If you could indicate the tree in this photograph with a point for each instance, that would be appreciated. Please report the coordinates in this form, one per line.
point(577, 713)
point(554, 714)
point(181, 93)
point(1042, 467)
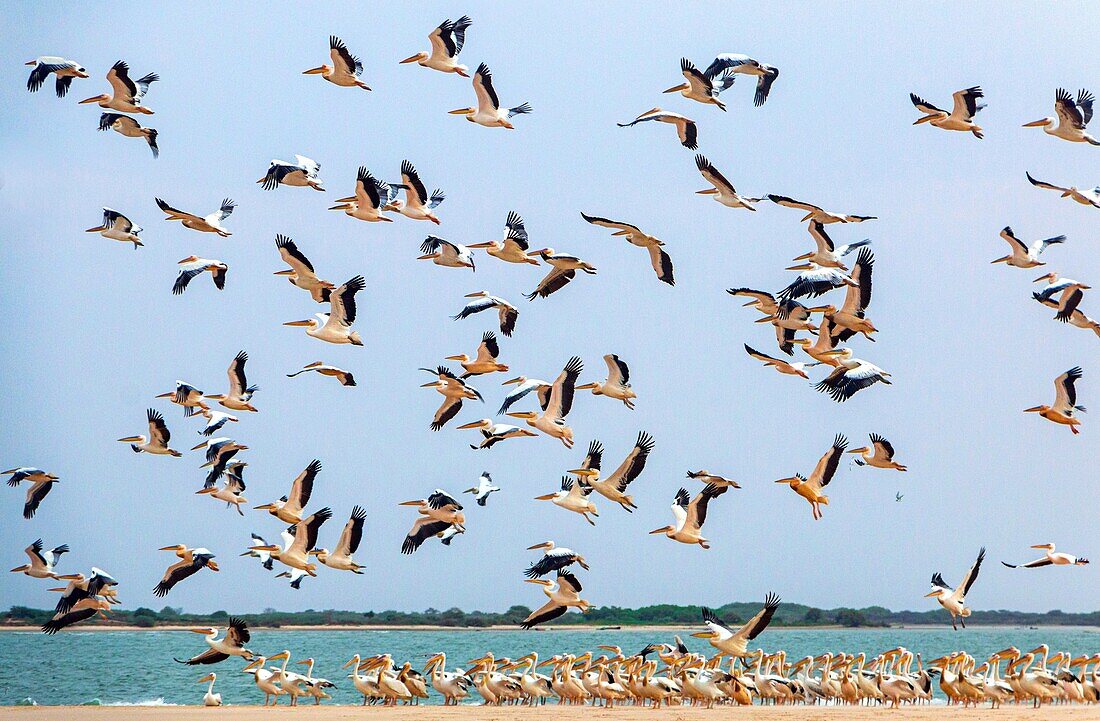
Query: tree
point(813, 615)
point(850, 618)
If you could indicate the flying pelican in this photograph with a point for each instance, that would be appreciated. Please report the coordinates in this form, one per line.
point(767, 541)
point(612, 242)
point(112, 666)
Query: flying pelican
point(1072, 117)
point(962, 113)
point(79, 588)
point(486, 360)
point(794, 369)
point(127, 94)
point(289, 508)
point(40, 482)
point(703, 87)
point(573, 496)
point(482, 300)
point(790, 317)
point(210, 698)
point(436, 514)
point(1067, 308)
point(424, 528)
point(523, 387)
point(303, 173)
point(564, 269)
point(240, 393)
point(345, 69)
point(299, 542)
point(690, 514)
point(371, 196)
point(1065, 399)
point(447, 41)
point(82, 610)
point(731, 642)
point(658, 258)
point(552, 420)
point(817, 213)
point(447, 534)
point(562, 595)
point(955, 600)
point(295, 576)
point(157, 442)
point(686, 129)
point(1084, 197)
point(128, 127)
point(192, 560)
point(488, 111)
point(445, 253)
point(345, 377)
point(617, 385)
point(418, 205)
point(1050, 558)
point(850, 376)
point(350, 538)
point(852, 316)
point(208, 224)
point(219, 451)
point(814, 280)
point(614, 486)
point(301, 273)
point(42, 564)
point(880, 454)
point(231, 491)
point(760, 300)
point(709, 478)
point(335, 326)
point(483, 488)
point(737, 63)
point(231, 644)
point(263, 556)
point(513, 248)
point(723, 191)
point(65, 70)
point(827, 254)
point(554, 558)
point(192, 266)
point(1024, 256)
point(187, 396)
point(811, 488)
point(117, 226)
point(454, 391)
point(1056, 284)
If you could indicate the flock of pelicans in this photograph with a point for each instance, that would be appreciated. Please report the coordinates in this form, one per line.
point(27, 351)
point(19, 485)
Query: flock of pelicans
point(819, 331)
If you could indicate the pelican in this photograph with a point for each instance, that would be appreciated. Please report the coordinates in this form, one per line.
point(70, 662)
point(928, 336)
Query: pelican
point(1065, 400)
point(231, 491)
point(760, 300)
point(315, 687)
point(1050, 558)
point(297, 544)
point(293, 684)
point(263, 556)
point(302, 173)
point(82, 610)
point(880, 454)
point(814, 280)
point(703, 87)
point(40, 482)
point(424, 528)
point(743, 64)
point(345, 69)
point(562, 595)
point(289, 508)
point(453, 686)
point(794, 369)
point(488, 111)
point(418, 205)
point(523, 387)
point(117, 226)
point(573, 496)
point(614, 486)
point(1067, 309)
point(42, 564)
point(437, 513)
point(445, 253)
point(295, 576)
point(447, 534)
point(691, 514)
point(552, 420)
point(345, 377)
point(1084, 197)
point(208, 224)
point(128, 127)
point(565, 268)
point(483, 488)
point(363, 684)
point(192, 266)
point(827, 254)
point(955, 600)
point(658, 258)
point(335, 326)
point(850, 376)
point(231, 644)
point(1024, 256)
point(210, 698)
point(447, 41)
point(816, 213)
point(723, 191)
point(1072, 117)
point(962, 113)
point(265, 678)
point(485, 362)
point(513, 248)
point(187, 396)
point(1056, 284)
point(617, 385)
point(219, 451)
point(65, 70)
point(790, 317)
point(99, 583)
point(730, 642)
point(301, 273)
point(157, 442)
point(240, 393)
point(454, 390)
point(811, 488)
point(482, 300)
point(127, 94)
point(192, 560)
point(709, 478)
point(371, 197)
point(554, 558)
point(686, 129)
point(852, 316)
point(348, 544)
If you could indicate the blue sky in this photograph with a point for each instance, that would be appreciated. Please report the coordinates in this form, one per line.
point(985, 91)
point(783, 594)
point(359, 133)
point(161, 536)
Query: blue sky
point(94, 332)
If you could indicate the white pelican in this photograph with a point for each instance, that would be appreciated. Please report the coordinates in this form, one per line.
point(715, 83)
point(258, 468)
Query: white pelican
point(826, 253)
point(760, 300)
point(99, 583)
point(263, 556)
point(157, 442)
point(617, 385)
point(40, 482)
point(117, 226)
point(1067, 309)
point(730, 642)
point(562, 594)
point(690, 514)
point(345, 377)
point(341, 557)
point(483, 488)
point(231, 491)
point(573, 496)
point(301, 273)
point(315, 687)
point(295, 576)
point(496, 432)
point(814, 212)
point(880, 454)
point(552, 420)
point(240, 393)
point(1050, 558)
point(614, 486)
point(513, 248)
point(686, 129)
point(811, 488)
point(303, 173)
point(345, 69)
point(371, 196)
point(1025, 256)
point(523, 387)
point(1072, 117)
point(436, 514)
point(219, 451)
point(447, 41)
point(564, 269)
point(127, 94)
point(789, 317)
point(723, 190)
point(851, 376)
point(454, 390)
point(42, 564)
point(65, 70)
point(418, 205)
point(187, 396)
point(445, 253)
point(82, 610)
point(814, 280)
point(363, 684)
point(709, 478)
point(231, 644)
point(488, 111)
point(954, 600)
point(265, 678)
point(335, 326)
point(297, 545)
point(486, 361)
point(289, 508)
point(208, 224)
point(703, 87)
point(128, 127)
point(737, 63)
point(192, 560)
point(962, 113)
point(453, 686)
point(210, 698)
point(448, 534)
point(1084, 197)
point(424, 528)
point(852, 316)
point(192, 266)
point(482, 300)
point(1065, 401)
point(554, 558)
point(1055, 284)
point(794, 369)
point(658, 258)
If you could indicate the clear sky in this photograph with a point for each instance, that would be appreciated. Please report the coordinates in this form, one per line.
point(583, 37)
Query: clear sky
point(93, 332)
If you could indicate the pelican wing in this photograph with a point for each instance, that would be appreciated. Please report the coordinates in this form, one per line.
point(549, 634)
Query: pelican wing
point(971, 576)
point(352, 535)
point(423, 529)
point(924, 106)
point(1018, 246)
point(697, 509)
point(207, 657)
point(35, 493)
point(342, 301)
point(487, 100)
point(569, 582)
point(615, 224)
point(634, 464)
point(1065, 390)
point(302, 487)
point(792, 203)
point(238, 384)
point(489, 349)
point(177, 572)
point(1068, 113)
point(561, 393)
point(224, 211)
point(548, 612)
point(827, 465)
point(662, 264)
point(857, 298)
point(594, 458)
point(966, 103)
point(441, 500)
point(293, 257)
point(450, 408)
point(700, 83)
point(763, 357)
point(824, 242)
point(713, 176)
point(119, 78)
point(618, 373)
point(175, 214)
point(415, 191)
point(1067, 304)
point(305, 531)
point(366, 189)
point(342, 59)
point(158, 429)
point(554, 281)
point(760, 621)
point(1043, 184)
point(882, 446)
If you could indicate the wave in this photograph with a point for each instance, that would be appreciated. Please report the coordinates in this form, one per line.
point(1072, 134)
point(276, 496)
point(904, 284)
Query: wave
point(159, 701)
point(28, 701)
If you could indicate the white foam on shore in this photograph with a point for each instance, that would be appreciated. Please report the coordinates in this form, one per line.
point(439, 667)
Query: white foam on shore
point(152, 702)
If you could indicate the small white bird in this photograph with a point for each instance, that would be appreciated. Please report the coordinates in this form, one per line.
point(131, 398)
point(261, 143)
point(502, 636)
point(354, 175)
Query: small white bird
point(483, 488)
point(117, 226)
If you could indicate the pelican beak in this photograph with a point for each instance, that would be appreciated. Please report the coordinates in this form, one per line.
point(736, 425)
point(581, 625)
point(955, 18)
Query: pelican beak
point(525, 414)
point(411, 503)
point(314, 71)
point(433, 384)
point(1036, 123)
point(704, 634)
point(586, 386)
point(930, 594)
point(537, 546)
point(207, 677)
point(1036, 409)
point(864, 449)
point(475, 424)
point(547, 497)
point(254, 664)
point(832, 353)
point(89, 100)
point(455, 358)
point(168, 548)
point(461, 111)
point(708, 191)
point(586, 472)
point(299, 322)
point(411, 59)
point(539, 581)
point(129, 439)
point(799, 267)
point(203, 631)
point(481, 245)
point(678, 88)
point(655, 531)
point(284, 272)
point(96, 230)
point(264, 507)
point(69, 577)
point(507, 383)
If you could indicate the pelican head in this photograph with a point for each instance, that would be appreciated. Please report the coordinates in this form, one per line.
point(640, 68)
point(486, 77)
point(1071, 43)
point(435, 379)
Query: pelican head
point(1045, 546)
point(663, 529)
point(585, 472)
point(588, 386)
point(677, 88)
point(525, 415)
point(863, 449)
point(322, 70)
point(468, 112)
point(1048, 277)
point(793, 480)
point(96, 99)
point(1041, 123)
point(515, 381)
point(308, 323)
point(548, 545)
point(204, 631)
point(208, 677)
point(415, 58)
point(546, 497)
point(1037, 409)
point(132, 439)
point(483, 423)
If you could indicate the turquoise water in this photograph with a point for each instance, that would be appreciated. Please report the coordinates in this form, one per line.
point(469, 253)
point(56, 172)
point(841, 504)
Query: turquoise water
point(122, 667)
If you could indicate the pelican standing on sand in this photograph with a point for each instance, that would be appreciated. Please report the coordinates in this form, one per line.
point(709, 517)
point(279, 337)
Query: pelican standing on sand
point(231, 644)
point(117, 226)
point(40, 482)
point(880, 454)
point(1050, 558)
point(447, 41)
point(552, 420)
point(686, 129)
point(961, 117)
point(1072, 118)
point(210, 698)
point(127, 94)
point(335, 326)
point(1065, 401)
point(65, 70)
point(507, 313)
point(157, 442)
point(954, 600)
point(617, 385)
point(488, 111)
point(301, 273)
point(127, 127)
point(208, 224)
point(345, 69)
point(1025, 256)
point(690, 514)
point(43, 563)
point(734, 642)
point(562, 594)
point(658, 258)
point(811, 488)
